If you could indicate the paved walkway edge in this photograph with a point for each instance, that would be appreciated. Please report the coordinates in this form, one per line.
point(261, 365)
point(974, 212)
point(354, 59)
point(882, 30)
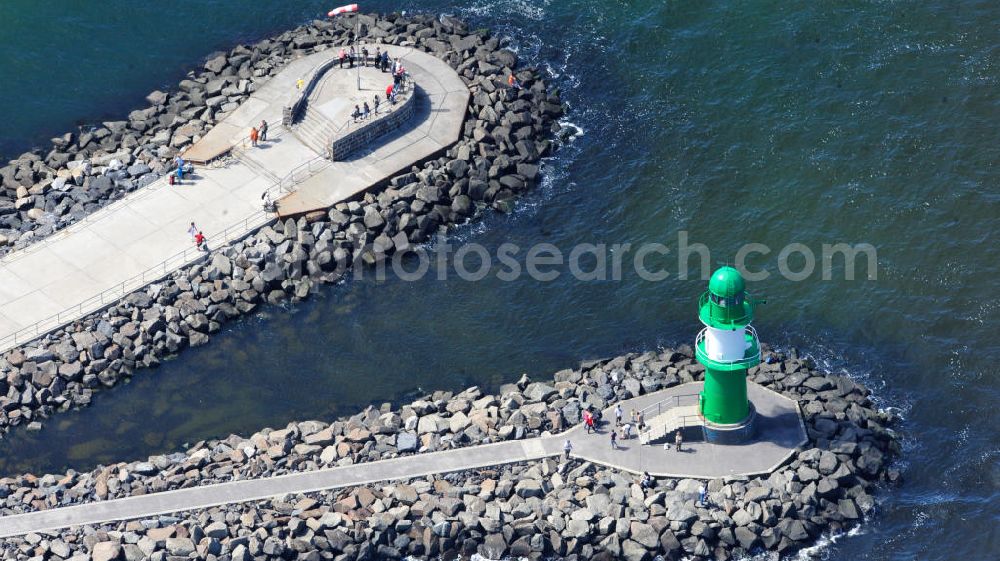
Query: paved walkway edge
point(249, 490)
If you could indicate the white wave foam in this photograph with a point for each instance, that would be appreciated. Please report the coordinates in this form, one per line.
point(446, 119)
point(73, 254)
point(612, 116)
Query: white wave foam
point(578, 131)
point(533, 10)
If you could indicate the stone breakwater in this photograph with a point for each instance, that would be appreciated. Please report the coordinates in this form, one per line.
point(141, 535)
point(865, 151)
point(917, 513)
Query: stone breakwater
point(506, 133)
point(535, 510)
point(45, 190)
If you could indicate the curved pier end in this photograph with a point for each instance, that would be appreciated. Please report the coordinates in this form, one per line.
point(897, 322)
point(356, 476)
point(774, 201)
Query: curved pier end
point(779, 433)
point(441, 102)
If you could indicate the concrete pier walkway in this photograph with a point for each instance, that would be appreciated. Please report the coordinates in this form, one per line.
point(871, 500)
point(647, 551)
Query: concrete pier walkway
point(783, 433)
point(143, 506)
point(143, 237)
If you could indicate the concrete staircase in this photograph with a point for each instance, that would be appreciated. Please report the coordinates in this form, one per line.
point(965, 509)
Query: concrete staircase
point(315, 131)
point(662, 426)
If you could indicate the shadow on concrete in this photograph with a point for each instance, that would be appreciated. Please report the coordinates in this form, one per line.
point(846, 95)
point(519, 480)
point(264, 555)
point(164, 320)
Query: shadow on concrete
point(421, 113)
point(782, 429)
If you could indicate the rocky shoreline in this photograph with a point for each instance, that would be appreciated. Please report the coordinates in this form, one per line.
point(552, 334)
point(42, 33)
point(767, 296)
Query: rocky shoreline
point(506, 134)
point(46, 190)
point(535, 510)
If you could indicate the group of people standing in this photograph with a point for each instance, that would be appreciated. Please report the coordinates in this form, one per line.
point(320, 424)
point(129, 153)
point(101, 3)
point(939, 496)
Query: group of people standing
point(258, 134)
point(361, 113)
point(349, 57)
point(622, 429)
point(626, 428)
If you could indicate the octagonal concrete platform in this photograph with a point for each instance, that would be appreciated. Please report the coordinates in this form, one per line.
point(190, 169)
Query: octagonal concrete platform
point(780, 431)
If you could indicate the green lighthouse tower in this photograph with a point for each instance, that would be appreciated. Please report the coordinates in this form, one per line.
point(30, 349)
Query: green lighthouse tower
point(727, 347)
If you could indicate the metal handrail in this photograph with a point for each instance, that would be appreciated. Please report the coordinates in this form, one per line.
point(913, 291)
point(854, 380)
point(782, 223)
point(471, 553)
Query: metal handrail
point(116, 293)
point(653, 411)
point(674, 401)
point(335, 130)
point(301, 172)
point(290, 112)
point(685, 421)
point(129, 197)
point(112, 295)
point(98, 214)
point(403, 96)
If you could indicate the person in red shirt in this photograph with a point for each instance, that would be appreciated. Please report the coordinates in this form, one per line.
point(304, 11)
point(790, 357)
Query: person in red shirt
point(199, 241)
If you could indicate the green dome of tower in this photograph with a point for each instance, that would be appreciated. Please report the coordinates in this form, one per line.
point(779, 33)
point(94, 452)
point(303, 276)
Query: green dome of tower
point(726, 282)
point(726, 304)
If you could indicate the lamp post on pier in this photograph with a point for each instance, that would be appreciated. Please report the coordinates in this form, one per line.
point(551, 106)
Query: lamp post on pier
point(351, 9)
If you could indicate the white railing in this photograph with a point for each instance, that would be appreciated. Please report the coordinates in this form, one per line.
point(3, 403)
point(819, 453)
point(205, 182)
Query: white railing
point(651, 413)
point(660, 407)
point(660, 427)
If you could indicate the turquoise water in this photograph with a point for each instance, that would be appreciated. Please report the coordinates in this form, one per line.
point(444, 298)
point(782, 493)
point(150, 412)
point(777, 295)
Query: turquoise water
point(766, 122)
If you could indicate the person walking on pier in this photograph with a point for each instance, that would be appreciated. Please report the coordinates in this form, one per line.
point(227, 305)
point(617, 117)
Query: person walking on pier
point(567, 448)
point(678, 439)
point(626, 431)
point(701, 494)
point(356, 114)
point(588, 421)
point(614, 440)
point(639, 422)
point(199, 242)
point(193, 231)
point(377, 101)
point(364, 56)
point(378, 57)
point(263, 130)
point(343, 57)
point(351, 56)
point(367, 111)
point(254, 135)
point(618, 414)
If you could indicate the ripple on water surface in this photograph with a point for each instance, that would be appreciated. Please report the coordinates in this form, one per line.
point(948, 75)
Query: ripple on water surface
point(813, 123)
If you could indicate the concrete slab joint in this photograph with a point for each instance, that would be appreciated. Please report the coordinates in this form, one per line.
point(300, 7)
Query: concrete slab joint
point(142, 238)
